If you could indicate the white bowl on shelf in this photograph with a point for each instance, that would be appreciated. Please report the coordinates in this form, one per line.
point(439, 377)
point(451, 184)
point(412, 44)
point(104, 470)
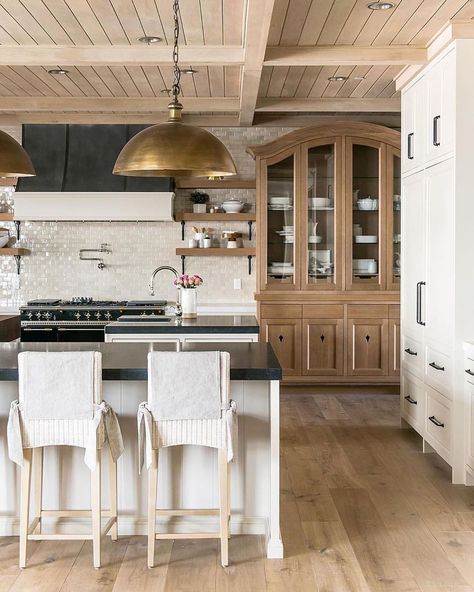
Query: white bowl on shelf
point(233, 206)
point(320, 202)
point(315, 239)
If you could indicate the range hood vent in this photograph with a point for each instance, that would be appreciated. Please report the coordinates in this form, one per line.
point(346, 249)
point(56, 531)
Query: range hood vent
point(103, 206)
point(80, 158)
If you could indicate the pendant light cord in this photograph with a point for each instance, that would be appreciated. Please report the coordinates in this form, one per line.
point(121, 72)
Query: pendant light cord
point(176, 88)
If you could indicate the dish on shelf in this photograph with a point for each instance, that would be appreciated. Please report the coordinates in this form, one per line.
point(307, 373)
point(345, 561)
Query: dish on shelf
point(233, 206)
point(315, 239)
point(366, 238)
point(321, 208)
point(281, 264)
point(276, 208)
point(4, 237)
point(364, 265)
point(317, 202)
point(397, 238)
point(367, 203)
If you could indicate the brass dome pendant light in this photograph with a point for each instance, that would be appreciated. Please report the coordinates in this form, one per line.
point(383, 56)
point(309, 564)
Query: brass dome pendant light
point(174, 149)
point(14, 160)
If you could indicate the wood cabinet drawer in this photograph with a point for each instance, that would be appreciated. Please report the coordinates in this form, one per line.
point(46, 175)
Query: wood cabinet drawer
point(438, 422)
point(413, 401)
point(367, 311)
point(287, 311)
point(284, 335)
point(323, 347)
point(323, 311)
point(438, 371)
point(412, 356)
point(367, 353)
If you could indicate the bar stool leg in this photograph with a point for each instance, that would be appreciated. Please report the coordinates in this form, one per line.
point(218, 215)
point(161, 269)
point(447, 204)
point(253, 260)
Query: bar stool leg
point(152, 482)
point(113, 495)
point(38, 472)
point(229, 504)
point(25, 503)
point(96, 509)
point(224, 505)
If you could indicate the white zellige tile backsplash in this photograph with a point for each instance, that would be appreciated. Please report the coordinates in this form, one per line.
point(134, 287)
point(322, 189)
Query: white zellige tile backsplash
point(54, 270)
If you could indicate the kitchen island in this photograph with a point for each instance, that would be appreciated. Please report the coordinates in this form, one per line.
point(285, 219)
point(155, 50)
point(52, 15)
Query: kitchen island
point(187, 475)
point(203, 329)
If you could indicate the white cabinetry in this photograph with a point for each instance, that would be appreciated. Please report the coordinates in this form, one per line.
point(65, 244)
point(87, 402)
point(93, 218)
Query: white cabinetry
point(413, 126)
point(437, 280)
point(179, 338)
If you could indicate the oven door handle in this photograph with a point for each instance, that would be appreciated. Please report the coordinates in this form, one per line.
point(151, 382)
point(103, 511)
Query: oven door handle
point(88, 328)
point(38, 329)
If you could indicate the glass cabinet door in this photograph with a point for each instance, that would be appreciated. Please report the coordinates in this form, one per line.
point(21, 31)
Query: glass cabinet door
point(394, 218)
point(320, 215)
point(365, 212)
point(281, 222)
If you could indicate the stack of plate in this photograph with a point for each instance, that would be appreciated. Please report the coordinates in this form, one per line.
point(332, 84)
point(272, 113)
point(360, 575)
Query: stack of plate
point(287, 232)
point(315, 239)
point(365, 238)
point(320, 202)
point(281, 268)
point(280, 202)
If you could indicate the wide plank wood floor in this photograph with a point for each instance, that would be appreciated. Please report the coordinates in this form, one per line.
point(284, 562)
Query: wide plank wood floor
point(363, 510)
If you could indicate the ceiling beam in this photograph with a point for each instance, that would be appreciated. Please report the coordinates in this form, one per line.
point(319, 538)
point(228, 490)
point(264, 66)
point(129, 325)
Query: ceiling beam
point(257, 27)
point(329, 105)
point(131, 118)
point(345, 55)
point(114, 104)
point(125, 55)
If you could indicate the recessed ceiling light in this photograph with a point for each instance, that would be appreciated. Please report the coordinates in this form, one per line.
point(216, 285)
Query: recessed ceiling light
point(58, 72)
point(337, 78)
point(165, 91)
point(380, 5)
point(358, 78)
point(188, 71)
point(150, 39)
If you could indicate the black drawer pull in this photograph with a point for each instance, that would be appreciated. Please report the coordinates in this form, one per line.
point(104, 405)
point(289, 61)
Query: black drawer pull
point(410, 143)
point(436, 367)
point(410, 400)
point(436, 121)
point(437, 423)
point(410, 352)
point(470, 372)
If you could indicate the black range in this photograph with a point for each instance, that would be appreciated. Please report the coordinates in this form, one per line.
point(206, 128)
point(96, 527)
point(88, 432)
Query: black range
point(79, 319)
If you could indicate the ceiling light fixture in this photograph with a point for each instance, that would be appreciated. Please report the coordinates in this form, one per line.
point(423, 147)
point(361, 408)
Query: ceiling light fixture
point(189, 71)
point(358, 78)
point(149, 39)
point(380, 5)
point(174, 149)
point(14, 160)
point(337, 78)
point(58, 72)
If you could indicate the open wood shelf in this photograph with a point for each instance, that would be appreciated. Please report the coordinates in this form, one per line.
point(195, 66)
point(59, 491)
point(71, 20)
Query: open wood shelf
point(217, 252)
point(217, 216)
point(16, 252)
point(196, 183)
point(6, 217)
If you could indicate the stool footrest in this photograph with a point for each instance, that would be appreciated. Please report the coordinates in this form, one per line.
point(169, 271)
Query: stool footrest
point(60, 537)
point(187, 512)
point(188, 535)
point(71, 513)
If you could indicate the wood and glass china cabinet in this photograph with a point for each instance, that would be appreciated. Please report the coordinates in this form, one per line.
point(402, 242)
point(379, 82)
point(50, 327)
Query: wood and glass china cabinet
point(328, 252)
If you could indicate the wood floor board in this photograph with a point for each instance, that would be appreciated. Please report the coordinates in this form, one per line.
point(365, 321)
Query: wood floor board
point(362, 510)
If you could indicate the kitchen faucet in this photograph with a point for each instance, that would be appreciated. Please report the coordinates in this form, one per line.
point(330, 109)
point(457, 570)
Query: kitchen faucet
point(178, 309)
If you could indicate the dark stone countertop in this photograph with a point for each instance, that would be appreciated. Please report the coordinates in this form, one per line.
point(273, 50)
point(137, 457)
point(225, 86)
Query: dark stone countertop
point(128, 361)
point(212, 324)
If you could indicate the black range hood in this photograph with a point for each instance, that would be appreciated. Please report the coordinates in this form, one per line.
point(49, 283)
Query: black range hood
point(81, 158)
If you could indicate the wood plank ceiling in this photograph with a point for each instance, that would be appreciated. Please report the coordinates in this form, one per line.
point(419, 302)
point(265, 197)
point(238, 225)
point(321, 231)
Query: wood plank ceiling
point(263, 55)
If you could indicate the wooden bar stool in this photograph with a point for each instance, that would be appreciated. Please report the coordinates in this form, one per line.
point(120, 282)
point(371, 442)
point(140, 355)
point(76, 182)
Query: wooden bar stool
point(60, 404)
point(196, 410)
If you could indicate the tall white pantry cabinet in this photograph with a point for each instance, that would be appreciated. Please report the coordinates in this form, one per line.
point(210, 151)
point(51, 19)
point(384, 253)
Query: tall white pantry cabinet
point(437, 282)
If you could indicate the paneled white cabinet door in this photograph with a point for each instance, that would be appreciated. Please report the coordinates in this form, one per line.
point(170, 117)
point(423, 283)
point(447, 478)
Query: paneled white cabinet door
point(441, 112)
point(440, 195)
point(413, 254)
point(413, 126)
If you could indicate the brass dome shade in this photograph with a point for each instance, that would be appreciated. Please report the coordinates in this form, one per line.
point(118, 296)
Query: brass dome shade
point(14, 160)
point(174, 149)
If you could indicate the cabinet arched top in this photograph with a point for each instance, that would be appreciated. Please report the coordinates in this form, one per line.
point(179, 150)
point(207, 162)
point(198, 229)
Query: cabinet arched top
point(370, 131)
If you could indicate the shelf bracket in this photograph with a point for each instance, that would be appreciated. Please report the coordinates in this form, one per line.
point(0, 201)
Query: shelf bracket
point(250, 264)
point(250, 229)
point(18, 263)
point(183, 258)
point(17, 228)
point(183, 224)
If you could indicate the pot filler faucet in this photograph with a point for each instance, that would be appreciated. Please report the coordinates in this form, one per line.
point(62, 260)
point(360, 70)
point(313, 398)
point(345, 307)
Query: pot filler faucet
point(177, 305)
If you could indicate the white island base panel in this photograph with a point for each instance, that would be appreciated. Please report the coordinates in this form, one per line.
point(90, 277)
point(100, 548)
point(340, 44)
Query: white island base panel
point(187, 475)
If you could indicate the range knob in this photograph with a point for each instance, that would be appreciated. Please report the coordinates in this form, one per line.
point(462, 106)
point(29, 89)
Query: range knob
point(97, 315)
point(46, 315)
point(38, 315)
point(88, 315)
point(29, 315)
point(108, 316)
point(77, 315)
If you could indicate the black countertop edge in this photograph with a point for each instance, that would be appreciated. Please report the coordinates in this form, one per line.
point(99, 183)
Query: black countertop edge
point(134, 328)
